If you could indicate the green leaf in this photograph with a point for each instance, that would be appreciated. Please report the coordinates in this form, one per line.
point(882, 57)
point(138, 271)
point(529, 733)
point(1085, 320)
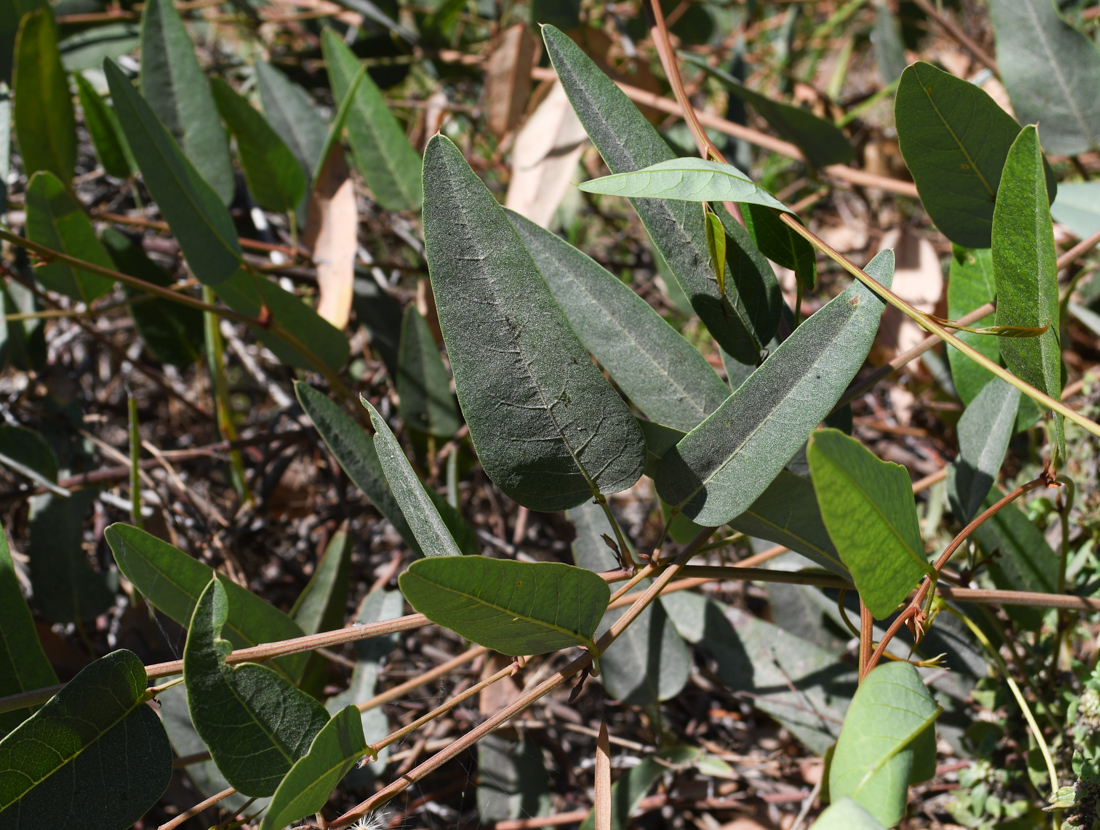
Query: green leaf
point(194, 211)
point(1051, 72)
point(173, 582)
point(846, 814)
point(548, 428)
point(821, 141)
point(433, 535)
point(174, 85)
point(58, 221)
point(1078, 207)
point(984, 431)
point(512, 607)
point(868, 508)
point(275, 179)
point(685, 179)
point(1026, 271)
point(289, 112)
point(878, 748)
point(28, 453)
point(382, 152)
point(95, 756)
point(172, 331)
point(254, 721)
point(423, 383)
point(512, 779)
point(716, 244)
point(10, 16)
point(314, 776)
point(720, 468)
point(23, 664)
point(322, 603)
point(743, 319)
point(955, 140)
point(45, 124)
point(654, 366)
point(106, 132)
point(247, 293)
point(971, 285)
point(627, 793)
point(65, 587)
point(889, 45)
point(781, 243)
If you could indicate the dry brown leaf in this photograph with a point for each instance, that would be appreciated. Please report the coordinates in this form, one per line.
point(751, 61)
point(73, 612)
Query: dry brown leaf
point(332, 228)
point(918, 279)
point(544, 156)
point(603, 779)
point(508, 77)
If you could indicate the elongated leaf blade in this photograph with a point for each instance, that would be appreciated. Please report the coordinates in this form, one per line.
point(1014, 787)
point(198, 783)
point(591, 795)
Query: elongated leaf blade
point(427, 526)
point(745, 317)
point(1078, 207)
point(685, 179)
point(1051, 72)
point(780, 243)
point(58, 221)
point(45, 123)
point(547, 426)
point(868, 508)
point(970, 285)
point(193, 209)
point(423, 384)
point(289, 112)
point(879, 746)
point(28, 453)
point(95, 756)
point(511, 607)
point(1026, 272)
point(720, 468)
point(174, 85)
point(661, 373)
point(984, 431)
point(173, 582)
point(106, 133)
point(382, 152)
point(955, 140)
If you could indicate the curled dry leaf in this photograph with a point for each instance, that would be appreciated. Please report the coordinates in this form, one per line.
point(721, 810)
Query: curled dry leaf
point(332, 234)
point(508, 77)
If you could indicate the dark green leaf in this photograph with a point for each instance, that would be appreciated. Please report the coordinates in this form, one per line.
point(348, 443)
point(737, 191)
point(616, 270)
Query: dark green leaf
point(1078, 207)
point(288, 110)
point(10, 16)
point(275, 179)
point(720, 468)
point(547, 426)
point(971, 285)
point(45, 123)
point(984, 431)
point(878, 747)
point(955, 140)
point(511, 607)
point(627, 793)
point(512, 779)
point(322, 604)
point(23, 664)
point(382, 152)
point(195, 212)
point(172, 331)
point(174, 85)
point(780, 243)
point(1026, 272)
point(684, 179)
point(94, 757)
point(742, 320)
point(28, 453)
point(1051, 72)
point(661, 373)
point(106, 132)
point(58, 221)
point(867, 505)
point(314, 776)
point(173, 582)
point(423, 383)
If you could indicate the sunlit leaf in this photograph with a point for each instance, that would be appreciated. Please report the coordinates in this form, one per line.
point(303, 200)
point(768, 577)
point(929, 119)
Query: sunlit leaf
point(45, 123)
point(984, 431)
point(685, 179)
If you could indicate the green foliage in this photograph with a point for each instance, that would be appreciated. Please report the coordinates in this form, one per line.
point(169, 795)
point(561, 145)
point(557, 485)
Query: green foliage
point(110, 144)
point(984, 430)
point(45, 124)
point(687, 179)
point(423, 385)
point(970, 285)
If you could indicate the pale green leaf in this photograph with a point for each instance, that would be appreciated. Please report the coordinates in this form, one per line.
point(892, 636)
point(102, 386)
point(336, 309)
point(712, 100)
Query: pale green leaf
point(685, 179)
point(984, 431)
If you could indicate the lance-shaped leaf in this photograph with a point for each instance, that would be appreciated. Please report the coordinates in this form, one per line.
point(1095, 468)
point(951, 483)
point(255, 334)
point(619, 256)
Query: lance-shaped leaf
point(886, 742)
point(423, 383)
point(194, 211)
point(254, 721)
point(420, 511)
point(173, 582)
point(382, 152)
point(745, 317)
point(955, 140)
point(654, 366)
point(58, 221)
point(984, 431)
point(511, 607)
point(174, 85)
point(275, 179)
point(1026, 271)
point(23, 664)
point(547, 426)
point(722, 466)
point(781, 243)
point(1051, 72)
point(314, 776)
point(26, 452)
point(868, 508)
point(102, 123)
point(45, 124)
point(970, 285)
point(288, 110)
point(685, 179)
point(95, 756)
